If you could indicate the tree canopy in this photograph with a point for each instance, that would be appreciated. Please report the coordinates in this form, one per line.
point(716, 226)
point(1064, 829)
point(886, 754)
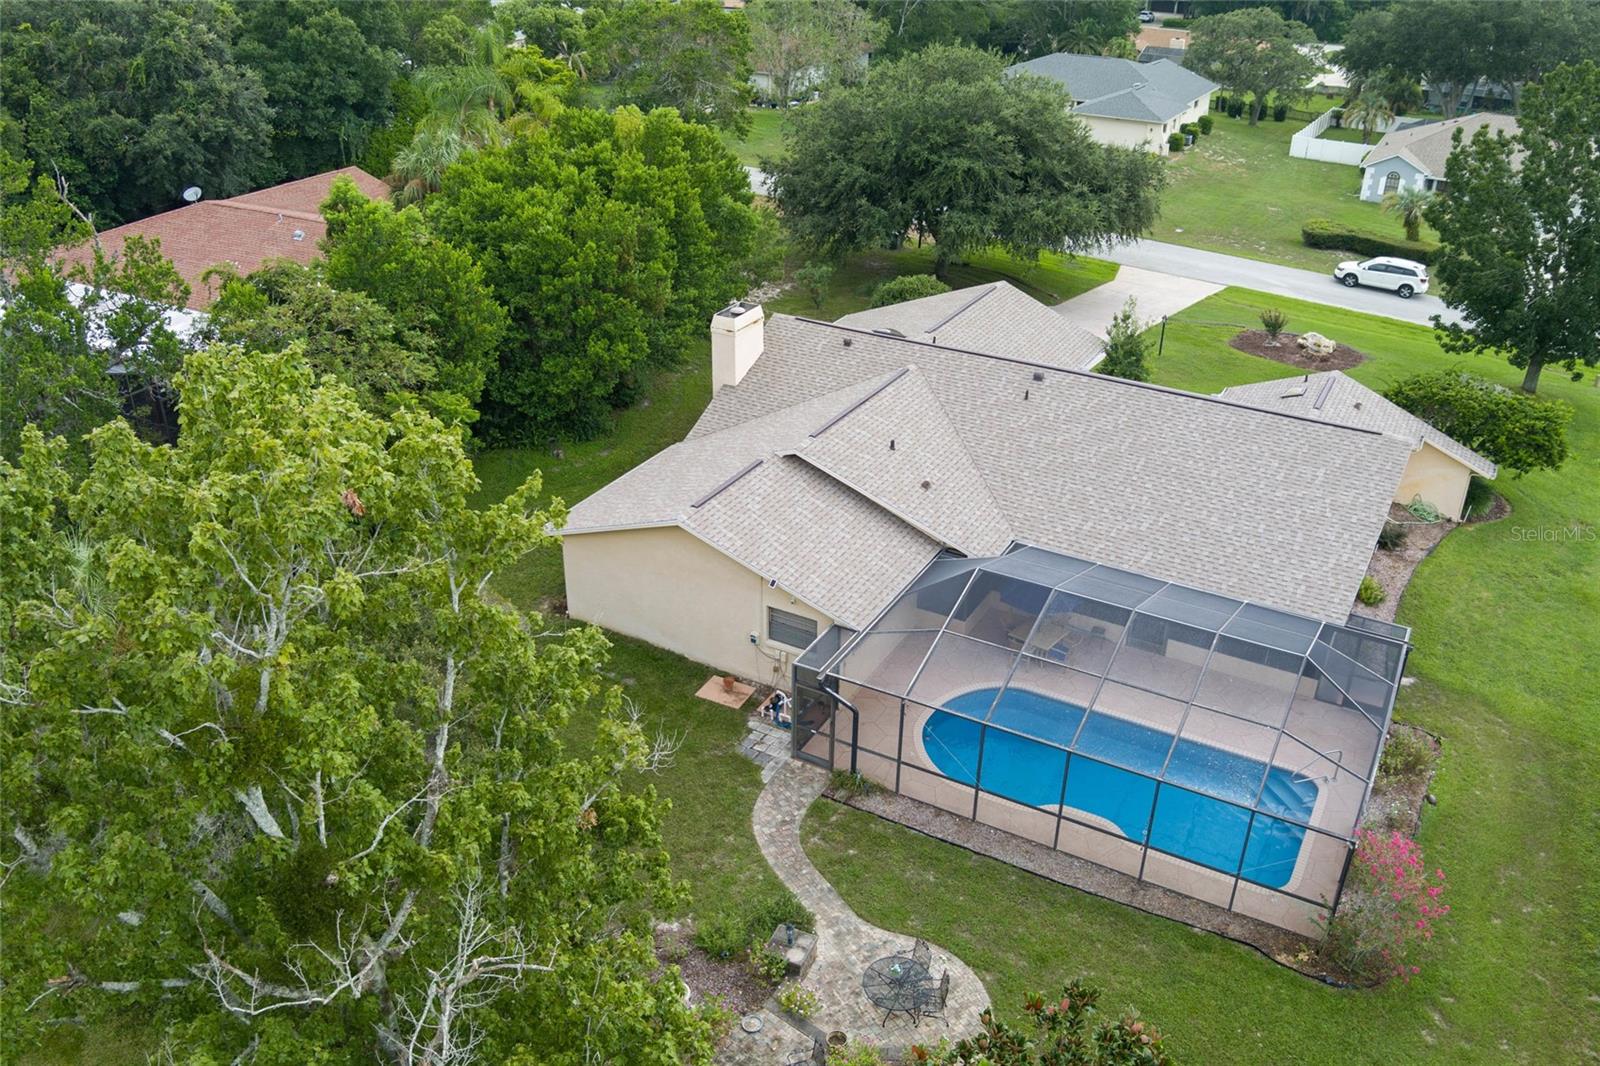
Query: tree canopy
point(609, 239)
point(328, 84)
point(942, 145)
point(1253, 50)
point(687, 54)
point(1519, 231)
point(133, 102)
point(311, 799)
point(1453, 43)
point(1021, 29)
point(803, 43)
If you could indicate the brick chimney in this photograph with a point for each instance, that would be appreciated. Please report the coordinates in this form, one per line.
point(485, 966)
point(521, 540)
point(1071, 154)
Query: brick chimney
point(736, 343)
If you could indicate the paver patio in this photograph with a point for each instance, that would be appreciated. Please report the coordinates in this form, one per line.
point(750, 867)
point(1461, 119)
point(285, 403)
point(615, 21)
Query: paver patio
point(846, 946)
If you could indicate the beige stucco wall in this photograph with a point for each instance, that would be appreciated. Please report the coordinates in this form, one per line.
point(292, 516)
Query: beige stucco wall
point(1437, 478)
point(1150, 135)
point(675, 591)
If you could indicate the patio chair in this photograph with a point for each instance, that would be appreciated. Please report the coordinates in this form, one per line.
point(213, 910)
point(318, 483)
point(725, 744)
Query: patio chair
point(931, 1000)
point(818, 1056)
point(921, 954)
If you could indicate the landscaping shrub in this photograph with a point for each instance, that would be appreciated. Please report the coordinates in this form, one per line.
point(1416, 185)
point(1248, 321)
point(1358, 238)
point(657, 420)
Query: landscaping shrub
point(1280, 112)
point(1480, 497)
point(1389, 909)
point(1517, 431)
point(1219, 102)
point(1066, 1029)
point(1205, 124)
point(798, 1001)
point(1126, 347)
point(1273, 321)
point(1323, 233)
point(1392, 537)
point(1175, 142)
point(1406, 753)
point(907, 287)
point(847, 785)
point(769, 966)
point(813, 280)
point(1370, 593)
point(1235, 107)
point(725, 933)
point(856, 1054)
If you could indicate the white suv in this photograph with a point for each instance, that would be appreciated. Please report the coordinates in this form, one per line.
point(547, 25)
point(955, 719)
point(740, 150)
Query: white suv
point(1402, 276)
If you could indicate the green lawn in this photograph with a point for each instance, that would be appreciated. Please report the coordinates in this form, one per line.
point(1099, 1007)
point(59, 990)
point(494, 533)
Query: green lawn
point(1050, 279)
point(765, 140)
point(1238, 191)
point(1505, 667)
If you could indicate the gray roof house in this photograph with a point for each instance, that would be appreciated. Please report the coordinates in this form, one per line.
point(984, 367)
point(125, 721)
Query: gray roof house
point(1414, 156)
point(997, 319)
point(1439, 467)
point(931, 545)
point(1124, 102)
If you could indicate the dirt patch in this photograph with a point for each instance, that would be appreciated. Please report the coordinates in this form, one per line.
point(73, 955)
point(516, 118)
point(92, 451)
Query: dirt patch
point(1392, 568)
point(728, 980)
point(1257, 342)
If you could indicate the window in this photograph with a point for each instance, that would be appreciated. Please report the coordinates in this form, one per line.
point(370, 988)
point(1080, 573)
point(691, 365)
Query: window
point(1391, 181)
point(795, 630)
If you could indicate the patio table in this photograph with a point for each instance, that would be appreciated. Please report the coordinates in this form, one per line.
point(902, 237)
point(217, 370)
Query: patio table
point(892, 984)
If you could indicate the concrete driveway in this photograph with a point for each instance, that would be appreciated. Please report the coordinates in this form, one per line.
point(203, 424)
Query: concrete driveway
point(1219, 269)
point(1154, 293)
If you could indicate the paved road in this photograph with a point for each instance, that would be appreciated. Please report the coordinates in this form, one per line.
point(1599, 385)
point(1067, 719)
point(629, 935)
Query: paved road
point(1269, 277)
point(758, 180)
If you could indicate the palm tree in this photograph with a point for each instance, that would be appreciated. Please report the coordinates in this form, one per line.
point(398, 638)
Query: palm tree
point(470, 107)
point(1408, 203)
point(1369, 112)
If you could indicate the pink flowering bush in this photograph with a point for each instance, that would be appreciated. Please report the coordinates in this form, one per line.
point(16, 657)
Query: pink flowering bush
point(1391, 906)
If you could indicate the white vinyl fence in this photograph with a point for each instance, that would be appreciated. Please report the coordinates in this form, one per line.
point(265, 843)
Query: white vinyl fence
point(1305, 143)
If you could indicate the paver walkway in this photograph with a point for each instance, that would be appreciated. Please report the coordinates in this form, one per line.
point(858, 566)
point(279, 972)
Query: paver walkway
point(846, 946)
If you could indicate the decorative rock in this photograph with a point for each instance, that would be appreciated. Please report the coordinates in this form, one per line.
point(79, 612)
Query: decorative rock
point(1316, 343)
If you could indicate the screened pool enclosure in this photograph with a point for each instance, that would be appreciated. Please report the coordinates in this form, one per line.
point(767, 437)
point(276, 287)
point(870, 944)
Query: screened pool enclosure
point(1219, 748)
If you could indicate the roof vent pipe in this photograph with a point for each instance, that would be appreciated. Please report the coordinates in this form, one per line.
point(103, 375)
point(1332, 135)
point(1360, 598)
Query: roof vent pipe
point(891, 444)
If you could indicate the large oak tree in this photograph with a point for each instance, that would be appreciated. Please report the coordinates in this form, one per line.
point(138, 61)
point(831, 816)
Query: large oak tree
point(284, 778)
point(944, 145)
point(1254, 51)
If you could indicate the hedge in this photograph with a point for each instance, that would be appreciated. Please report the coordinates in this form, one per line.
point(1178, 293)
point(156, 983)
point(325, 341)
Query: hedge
point(1322, 233)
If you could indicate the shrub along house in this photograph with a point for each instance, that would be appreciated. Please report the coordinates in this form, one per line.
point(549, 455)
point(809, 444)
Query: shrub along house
point(1110, 617)
point(1137, 105)
point(1440, 467)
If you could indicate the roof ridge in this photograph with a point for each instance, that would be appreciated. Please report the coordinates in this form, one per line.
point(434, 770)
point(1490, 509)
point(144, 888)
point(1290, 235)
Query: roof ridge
point(1089, 375)
point(958, 312)
point(265, 209)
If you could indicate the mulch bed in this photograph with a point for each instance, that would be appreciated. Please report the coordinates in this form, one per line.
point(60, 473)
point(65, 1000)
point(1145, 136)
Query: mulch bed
point(1255, 342)
point(729, 980)
point(1497, 510)
point(1393, 569)
point(1396, 802)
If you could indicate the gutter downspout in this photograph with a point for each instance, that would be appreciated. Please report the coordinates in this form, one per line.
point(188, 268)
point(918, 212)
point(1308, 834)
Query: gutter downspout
point(855, 721)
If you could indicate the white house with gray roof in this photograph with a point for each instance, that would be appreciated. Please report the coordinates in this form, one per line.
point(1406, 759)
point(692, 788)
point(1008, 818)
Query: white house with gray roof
point(834, 462)
point(1439, 468)
point(1132, 104)
point(1414, 156)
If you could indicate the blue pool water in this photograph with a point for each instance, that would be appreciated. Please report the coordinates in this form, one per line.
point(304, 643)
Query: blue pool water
point(1200, 828)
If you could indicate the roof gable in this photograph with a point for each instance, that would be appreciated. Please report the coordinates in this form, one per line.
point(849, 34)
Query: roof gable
point(1335, 397)
point(1108, 87)
point(1427, 145)
point(997, 318)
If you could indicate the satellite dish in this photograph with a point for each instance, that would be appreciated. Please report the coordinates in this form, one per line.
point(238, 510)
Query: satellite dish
point(191, 194)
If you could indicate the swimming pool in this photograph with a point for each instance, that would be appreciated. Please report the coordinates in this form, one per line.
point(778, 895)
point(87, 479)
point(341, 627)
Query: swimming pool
point(1199, 827)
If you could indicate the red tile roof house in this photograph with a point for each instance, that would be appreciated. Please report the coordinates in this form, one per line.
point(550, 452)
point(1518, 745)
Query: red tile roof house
point(243, 232)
